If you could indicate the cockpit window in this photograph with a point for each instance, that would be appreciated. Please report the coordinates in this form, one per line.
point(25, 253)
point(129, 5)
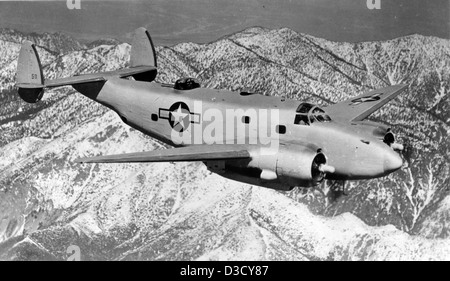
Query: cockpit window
point(319, 117)
point(317, 110)
point(308, 114)
point(304, 107)
point(301, 119)
point(323, 118)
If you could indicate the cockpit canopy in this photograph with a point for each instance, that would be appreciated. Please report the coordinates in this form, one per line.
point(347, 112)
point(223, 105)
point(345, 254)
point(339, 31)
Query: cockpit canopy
point(309, 113)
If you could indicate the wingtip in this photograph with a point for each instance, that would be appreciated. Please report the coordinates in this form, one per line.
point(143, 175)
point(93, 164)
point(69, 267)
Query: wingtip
point(80, 160)
point(403, 87)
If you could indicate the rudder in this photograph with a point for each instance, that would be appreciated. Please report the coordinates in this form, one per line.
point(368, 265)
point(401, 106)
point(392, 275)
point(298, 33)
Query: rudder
point(143, 54)
point(30, 78)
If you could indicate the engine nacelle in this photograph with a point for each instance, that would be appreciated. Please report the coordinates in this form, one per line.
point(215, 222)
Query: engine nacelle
point(296, 166)
point(31, 95)
point(302, 167)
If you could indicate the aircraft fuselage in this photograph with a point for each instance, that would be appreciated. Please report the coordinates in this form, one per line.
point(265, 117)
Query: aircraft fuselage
point(194, 117)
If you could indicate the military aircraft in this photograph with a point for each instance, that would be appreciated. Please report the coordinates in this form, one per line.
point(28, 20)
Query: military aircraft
point(312, 143)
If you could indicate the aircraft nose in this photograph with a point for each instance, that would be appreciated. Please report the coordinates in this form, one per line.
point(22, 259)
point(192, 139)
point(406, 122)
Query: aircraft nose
point(392, 162)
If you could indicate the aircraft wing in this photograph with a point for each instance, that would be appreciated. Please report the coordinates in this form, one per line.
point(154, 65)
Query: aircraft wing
point(182, 154)
point(360, 107)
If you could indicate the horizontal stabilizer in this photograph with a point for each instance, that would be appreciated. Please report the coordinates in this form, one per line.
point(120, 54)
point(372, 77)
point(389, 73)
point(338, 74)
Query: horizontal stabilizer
point(182, 154)
point(97, 77)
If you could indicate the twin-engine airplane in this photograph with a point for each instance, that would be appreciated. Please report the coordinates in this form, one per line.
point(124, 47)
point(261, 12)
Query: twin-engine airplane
point(312, 143)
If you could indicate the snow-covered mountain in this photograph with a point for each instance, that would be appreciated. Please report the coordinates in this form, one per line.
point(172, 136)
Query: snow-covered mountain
point(59, 43)
point(181, 211)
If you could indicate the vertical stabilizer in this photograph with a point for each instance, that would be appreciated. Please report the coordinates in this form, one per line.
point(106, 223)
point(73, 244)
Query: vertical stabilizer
point(143, 54)
point(142, 51)
point(30, 78)
point(29, 68)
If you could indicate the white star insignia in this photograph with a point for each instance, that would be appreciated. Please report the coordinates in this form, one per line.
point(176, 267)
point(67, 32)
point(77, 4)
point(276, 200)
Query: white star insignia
point(178, 117)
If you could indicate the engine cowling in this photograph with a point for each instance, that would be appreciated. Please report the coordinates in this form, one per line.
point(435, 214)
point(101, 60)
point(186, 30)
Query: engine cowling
point(304, 167)
point(295, 166)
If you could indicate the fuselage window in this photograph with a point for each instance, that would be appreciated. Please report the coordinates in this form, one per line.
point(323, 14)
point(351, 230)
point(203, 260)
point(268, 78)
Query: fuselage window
point(154, 117)
point(280, 129)
point(246, 119)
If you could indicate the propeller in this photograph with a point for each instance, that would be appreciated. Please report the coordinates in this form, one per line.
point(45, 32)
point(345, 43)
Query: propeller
point(320, 167)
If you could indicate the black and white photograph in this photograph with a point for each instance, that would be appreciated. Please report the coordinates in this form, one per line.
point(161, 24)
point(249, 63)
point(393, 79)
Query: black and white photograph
point(225, 130)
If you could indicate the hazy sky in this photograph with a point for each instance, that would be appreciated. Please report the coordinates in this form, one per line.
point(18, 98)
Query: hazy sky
point(173, 21)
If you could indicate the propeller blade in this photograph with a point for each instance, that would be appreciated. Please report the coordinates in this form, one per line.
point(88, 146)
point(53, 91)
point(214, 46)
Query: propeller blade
point(327, 169)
